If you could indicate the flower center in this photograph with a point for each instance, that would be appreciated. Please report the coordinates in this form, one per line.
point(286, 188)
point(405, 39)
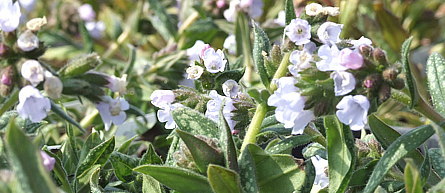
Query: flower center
point(115, 108)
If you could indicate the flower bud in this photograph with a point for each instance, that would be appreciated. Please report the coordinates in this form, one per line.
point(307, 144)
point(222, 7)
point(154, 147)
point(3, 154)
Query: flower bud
point(390, 74)
point(86, 12)
point(398, 83)
point(380, 56)
point(36, 23)
point(53, 87)
point(313, 9)
point(365, 50)
point(48, 161)
point(275, 54)
point(194, 72)
point(28, 41)
point(384, 92)
point(33, 72)
point(4, 50)
point(230, 88)
point(81, 65)
point(7, 82)
point(372, 81)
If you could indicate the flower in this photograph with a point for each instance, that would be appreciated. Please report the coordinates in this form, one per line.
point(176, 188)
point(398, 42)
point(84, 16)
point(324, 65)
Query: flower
point(290, 106)
point(252, 7)
point(298, 31)
point(32, 105)
point(194, 72)
point(344, 82)
point(195, 51)
point(112, 111)
point(351, 59)
point(321, 166)
point(28, 5)
point(230, 13)
point(332, 11)
point(117, 84)
point(330, 60)
point(33, 72)
point(165, 115)
point(53, 86)
point(214, 61)
point(28, 41)
point(214, 106)
point(353, 111)
point(329, 32)
point(36, 23)
point(313, 9)
point(95, 29)
point(281, 19)
point(48, 161)
point(162, 98)
point(361, 41)
point(301, 61)
point(230, 44)
point(230, 88)
point(10, 17)
point(86, 12)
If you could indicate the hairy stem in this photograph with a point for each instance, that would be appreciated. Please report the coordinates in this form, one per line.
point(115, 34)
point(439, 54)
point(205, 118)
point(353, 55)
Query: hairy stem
point(255, 125)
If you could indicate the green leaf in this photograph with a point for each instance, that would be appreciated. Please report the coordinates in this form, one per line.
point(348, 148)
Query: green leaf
point(223, 180)
point(150, 185)
point(439, 187)
point(125, 145)
point(227, 143)
point(92, 141)
point(261, 44)
point(398, 149)
point(10, 101)
point(203, 154)
point(163, 22)
point(56, 109)
point(309, 169)
point(150, 156)
point(340, 156)
point(87, 41)
point(435, 68)
point(247, 172)
point(425, 169)
point(360, 176)
point(84, 179)
point(98, 155)
point(94, 182)
point(26, 162)
point(412, 87)
point(123, 166)
point(437, 161)
point(289, 10)
point(178, 179)
point(203, 29)
point(81, 65)
point(274, 171)
point(413, 182)
point(441, 137)
point(235, 75)
point(195, 122)
point(60, 172)
point(289, 143)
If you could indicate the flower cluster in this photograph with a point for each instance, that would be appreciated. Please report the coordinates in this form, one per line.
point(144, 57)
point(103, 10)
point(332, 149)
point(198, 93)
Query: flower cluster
point(254, 8)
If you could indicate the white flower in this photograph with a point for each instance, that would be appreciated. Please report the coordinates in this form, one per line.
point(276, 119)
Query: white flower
point(353, 111)
point(194, 72)
point(28, 41)
point(290, 106)
point(33, 72)
point(28, 4)
point(298, 31)
point(162, 98)
point(253, 7)
point(230, 88)
point(230, 13)
point(112, 111)
point(117, 84)
point(32, 105)
point(214, 61)
point(329, 32)
point(230, 44)
point(313, 9)
point(95, 29)
point(53, 86)
point(344, 82)
point(361, 41)
point(36, 23)
point(214, 106)
point(281, 19)
point(310, 47)
point(330, 60)
point(321, 165)
point(332, 11)
point(165, 115)
point(10, 15)
point(195, 51)
point(301, 61)
point(86, 12)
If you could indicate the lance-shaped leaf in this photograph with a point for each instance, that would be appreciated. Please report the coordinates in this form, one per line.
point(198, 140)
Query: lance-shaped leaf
point(94, 182)
point(398, 149)
point(195, 122)
point(203, 154)
point(247, 172)
point(413, 181)
point(123, 166)
point(437, 161)
point(150, 185)
point(126, 145)
point(391, 27)
point(289, 11)
point(341, 159)
point(178, 179)
point(309, 169)
point(289, 143)
point(413, 92)
point(161, 21)
point(435, 68)
point(60, 172)
point(26, 162)
point(150, 156)
point(98, 155)
point(223, 180)
point(227, 143)
point(261, 44)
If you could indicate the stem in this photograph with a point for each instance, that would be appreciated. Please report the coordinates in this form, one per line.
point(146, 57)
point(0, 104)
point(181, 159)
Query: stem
point(311, 131)
point(14, 97)
point(422, 107)
point(255, 125)
point(244, 28)
point(281, 71)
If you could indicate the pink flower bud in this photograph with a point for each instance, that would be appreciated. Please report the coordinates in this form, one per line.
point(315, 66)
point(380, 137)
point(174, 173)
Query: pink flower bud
point(47, 160)
point(351, 59)
point(220, 3)
point(6, 80)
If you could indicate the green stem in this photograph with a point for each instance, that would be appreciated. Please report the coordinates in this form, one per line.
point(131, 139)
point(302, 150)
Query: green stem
point(244, 29)
point(422, 107)
point(318, 136)
point(10, 102)
point(281, 71)
point(255, 125)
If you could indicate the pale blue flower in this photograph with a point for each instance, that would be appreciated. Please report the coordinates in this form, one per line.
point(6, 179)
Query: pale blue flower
point(353, 111)
point(195, 51)
point(214, 61)
point(301, 60)
point(95, 29)
point(165, 115)
point(112, 111)
point(344, 82)
point(298, 31)
point(86, 12)
point(230, 88)
point(214, 106)
point(162, 98)
point(28, 41)
point(330, 60)
point(329, 32)
point(321, 166)
point(10, 15)
point(33, 72)
point(230, 44)
point(32, 105)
